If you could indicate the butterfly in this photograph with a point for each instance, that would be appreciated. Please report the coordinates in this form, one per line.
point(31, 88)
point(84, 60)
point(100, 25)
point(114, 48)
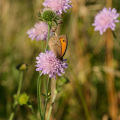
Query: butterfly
point(58, 45)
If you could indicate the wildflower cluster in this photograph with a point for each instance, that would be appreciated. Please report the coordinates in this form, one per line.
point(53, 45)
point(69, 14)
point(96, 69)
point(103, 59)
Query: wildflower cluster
point(47, 62)
point(51, 12)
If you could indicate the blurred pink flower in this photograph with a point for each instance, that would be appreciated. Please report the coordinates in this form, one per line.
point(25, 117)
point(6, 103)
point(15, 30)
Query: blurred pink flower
point(47, 63)
point(58, 5)
point(106, 19)
point(39, 31)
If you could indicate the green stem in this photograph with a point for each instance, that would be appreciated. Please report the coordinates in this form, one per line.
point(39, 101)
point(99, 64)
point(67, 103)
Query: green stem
point(45, 82)
point(38, 96)
point(20, 84)
point(11, 116)
point(18, 93)
point(48, 37)
point(116, 38)
point(30, 106)
point(84, 103)
point(46, 99)
point(118, 41)
point(51, 107)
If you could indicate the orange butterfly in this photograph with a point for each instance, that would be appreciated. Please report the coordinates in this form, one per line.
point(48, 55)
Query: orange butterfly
point(58, 44)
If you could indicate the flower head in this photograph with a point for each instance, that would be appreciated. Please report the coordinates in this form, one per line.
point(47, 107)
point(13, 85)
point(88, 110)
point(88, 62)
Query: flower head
point(39, 32)
point(58, 5)
point(106, 19)
point(47, 63)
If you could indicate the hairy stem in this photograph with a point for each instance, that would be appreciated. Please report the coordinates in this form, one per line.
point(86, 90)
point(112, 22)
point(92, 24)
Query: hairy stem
point(48, 37)
point(46, 99)
point(39, 97)
point(51, 107)
point(20, 84)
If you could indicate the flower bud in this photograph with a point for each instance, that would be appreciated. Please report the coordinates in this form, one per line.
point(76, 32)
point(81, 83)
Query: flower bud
point(48, 15)
point(22, 67)
point(23, 99)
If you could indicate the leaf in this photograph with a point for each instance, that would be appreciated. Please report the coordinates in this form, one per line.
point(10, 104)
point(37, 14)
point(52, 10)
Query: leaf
point(61, 82)
point(43, 95)
point(39, 14)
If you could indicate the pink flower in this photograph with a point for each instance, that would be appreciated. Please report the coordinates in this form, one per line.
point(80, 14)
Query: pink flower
point(106, 19)
point(47, 63)
point(39, 32)
point(58, 5)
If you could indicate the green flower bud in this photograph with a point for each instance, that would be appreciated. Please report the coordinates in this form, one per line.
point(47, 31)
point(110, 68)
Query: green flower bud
point(22, 67)
point(23, 99)
point(48, 15)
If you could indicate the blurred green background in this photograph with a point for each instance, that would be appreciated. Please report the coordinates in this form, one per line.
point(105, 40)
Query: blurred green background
point(86, 54)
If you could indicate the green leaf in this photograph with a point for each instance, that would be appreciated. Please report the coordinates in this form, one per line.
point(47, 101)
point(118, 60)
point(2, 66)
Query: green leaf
point(43, 95)
point(39, 14)
point(61, 82)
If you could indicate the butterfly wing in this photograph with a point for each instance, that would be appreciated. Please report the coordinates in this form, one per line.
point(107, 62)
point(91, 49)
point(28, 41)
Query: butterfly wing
point(55, 46)
point(64, 43)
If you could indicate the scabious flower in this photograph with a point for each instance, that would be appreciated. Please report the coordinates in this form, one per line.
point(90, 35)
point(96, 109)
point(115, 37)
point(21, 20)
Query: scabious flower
point(39, 32)
point(106, 19)
point(58, 5)
point(47, 63)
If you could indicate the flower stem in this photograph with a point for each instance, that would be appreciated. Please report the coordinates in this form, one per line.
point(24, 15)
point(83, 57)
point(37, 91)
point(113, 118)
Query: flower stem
point(20, 84)
point(48, 37)
point(38, 96)
point(116, 38)
point(110, 78)
point(46, 99)
point(18, 93)
point(84, 103)
point(31, 107)
point(51, 107)
point(118, 42)
point(11, 116)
